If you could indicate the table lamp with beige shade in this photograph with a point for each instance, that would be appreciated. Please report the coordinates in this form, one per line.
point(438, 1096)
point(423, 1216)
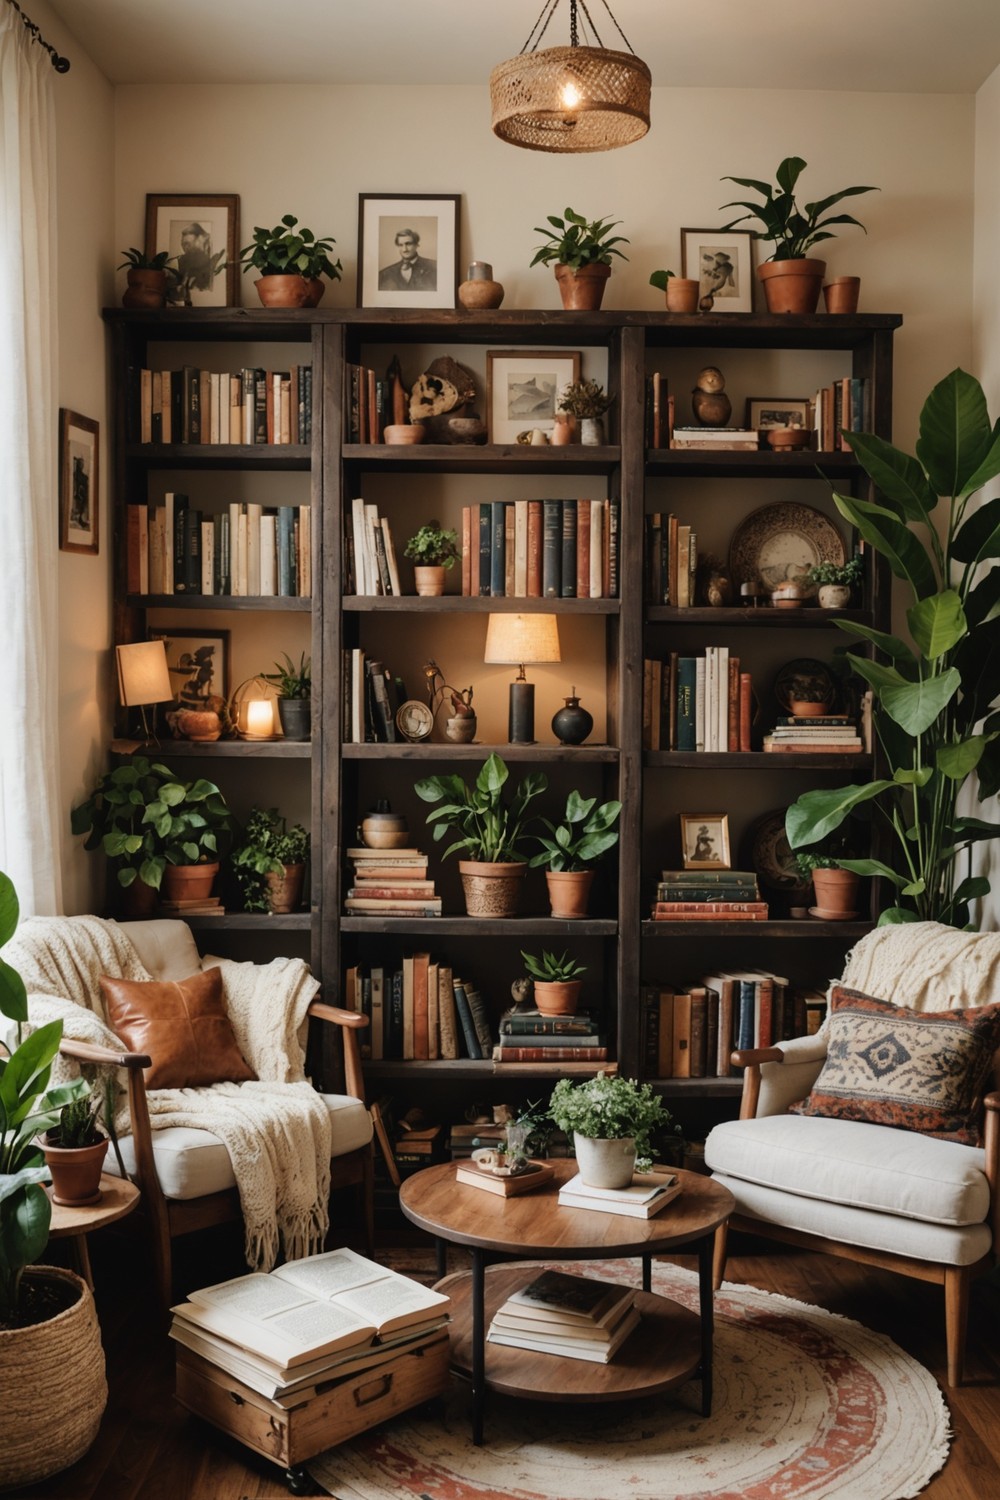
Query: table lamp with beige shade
point(522, 640)
point(143, 678)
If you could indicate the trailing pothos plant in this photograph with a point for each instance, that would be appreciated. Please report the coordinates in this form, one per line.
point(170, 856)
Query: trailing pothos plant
point(934, 695)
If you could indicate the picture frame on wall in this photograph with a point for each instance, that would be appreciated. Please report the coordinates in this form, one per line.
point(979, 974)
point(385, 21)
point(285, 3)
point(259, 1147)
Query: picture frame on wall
point(198, 663)
point(523, 386)
point(721, 261)
point(201, 233)
point(79, 476)
point(407, 249)
point(777, 411)
point(705, 841)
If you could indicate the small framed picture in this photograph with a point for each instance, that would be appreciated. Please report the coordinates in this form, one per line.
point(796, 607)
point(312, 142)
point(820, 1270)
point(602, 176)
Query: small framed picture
point(522, 387)
point(79, 500)
point(198, 663)
point(201, 233)
point(705, 841)
point(721, 261)
point(777, 411)
point(407, 249)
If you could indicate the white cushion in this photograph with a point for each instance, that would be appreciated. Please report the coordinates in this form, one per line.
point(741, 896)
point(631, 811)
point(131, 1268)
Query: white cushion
point(166, 947)
point(194, 1163)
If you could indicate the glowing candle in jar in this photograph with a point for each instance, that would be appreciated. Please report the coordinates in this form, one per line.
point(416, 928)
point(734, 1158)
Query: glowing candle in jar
point(260, 719)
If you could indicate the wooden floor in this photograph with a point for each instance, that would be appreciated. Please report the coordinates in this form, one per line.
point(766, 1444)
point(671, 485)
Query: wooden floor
point(149, 1447)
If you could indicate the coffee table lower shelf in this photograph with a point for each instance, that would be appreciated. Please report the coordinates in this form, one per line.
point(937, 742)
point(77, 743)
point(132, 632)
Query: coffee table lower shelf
point(661, 1354)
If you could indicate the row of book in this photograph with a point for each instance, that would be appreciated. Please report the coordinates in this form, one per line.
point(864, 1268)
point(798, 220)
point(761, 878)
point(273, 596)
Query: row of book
point(367, 405)
point(671, 560)
point(708, 895)
point(826, 734)
point(844, 405)
point(325, 1317)
point(370, 565)
point(370, 698)
point(541, 549)
point(249, 407)
point(696, 702)
point(246, 550)
point(421, 1011)
point(528, 1036)
point(390, 882)
point(690, 1030)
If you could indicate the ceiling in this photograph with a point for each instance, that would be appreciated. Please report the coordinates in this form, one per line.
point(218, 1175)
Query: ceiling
point(899, 46)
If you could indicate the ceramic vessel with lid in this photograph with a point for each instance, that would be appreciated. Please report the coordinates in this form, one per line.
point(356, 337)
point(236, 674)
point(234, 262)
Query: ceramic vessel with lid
point(381, 828)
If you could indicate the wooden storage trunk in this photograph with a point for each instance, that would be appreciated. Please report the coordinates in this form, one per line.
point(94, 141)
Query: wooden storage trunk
point(338, 1411)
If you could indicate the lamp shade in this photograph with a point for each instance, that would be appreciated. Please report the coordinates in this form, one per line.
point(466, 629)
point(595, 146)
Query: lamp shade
point(571, 99)
point(521, 639)
point(143, 675)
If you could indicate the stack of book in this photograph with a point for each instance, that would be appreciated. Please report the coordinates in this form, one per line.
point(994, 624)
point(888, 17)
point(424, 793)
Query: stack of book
point(204, 406)
point(370, 565)
point(571, 1316)
point(541, 549)
point(648, 1194)
point(708, 895)
point(204, 906)
point(244, 550)
point(829, 734)
point(308, 1323)
point(697, 702)
point(421, 1011)
point(391, 882)
point(717, 439)
point(528, 1036)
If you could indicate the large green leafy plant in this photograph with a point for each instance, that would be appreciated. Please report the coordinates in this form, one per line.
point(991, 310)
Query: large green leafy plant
point(585, 833)
point(792, 228)
point(933, 695)
point(488, 817)
point(573, 241)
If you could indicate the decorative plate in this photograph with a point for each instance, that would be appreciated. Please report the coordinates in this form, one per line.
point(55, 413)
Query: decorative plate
point(805, 671)
point(772, 858)
point(779, 543)
point(414, 720)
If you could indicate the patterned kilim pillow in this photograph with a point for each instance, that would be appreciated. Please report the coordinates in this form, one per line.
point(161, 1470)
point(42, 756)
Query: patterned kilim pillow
point(914, 1070)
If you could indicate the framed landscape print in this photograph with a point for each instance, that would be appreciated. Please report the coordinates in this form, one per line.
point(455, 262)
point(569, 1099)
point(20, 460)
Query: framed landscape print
point(705, 841)
point(777, 411)
point(79, 499)
point(722, 264)
point(522, 387)
point(201, 233)
point(198, 663)
point(407, 249)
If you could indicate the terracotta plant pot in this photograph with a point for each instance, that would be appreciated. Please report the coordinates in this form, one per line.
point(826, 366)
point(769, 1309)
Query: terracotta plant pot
point(189, 882)
point(569, 892)
point(681, 294)
point(557, 997)
point(404, 432)
point(491, 890)
point(582, 290)
point(284, 888)
point(429, 581)
point(290, 291)
point(792, 286)
point(145, 289)
point(836, 894)
point(802, 708)
point(840, 295)
point(76, 1171)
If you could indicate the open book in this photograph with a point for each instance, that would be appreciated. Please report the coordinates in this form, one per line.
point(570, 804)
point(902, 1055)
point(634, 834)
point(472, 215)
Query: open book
point(313, 1307)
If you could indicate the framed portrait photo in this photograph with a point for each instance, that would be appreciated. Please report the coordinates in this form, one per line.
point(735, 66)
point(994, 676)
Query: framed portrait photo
point(198, 663)
point(705, 841)
point(522, 387)
point(777, 411)
point(201, 233)
point(407, 249)
point(79, 500)
point(721, 261)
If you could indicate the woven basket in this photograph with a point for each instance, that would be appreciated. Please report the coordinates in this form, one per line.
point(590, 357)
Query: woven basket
point(614, 99)
point(52, 1388)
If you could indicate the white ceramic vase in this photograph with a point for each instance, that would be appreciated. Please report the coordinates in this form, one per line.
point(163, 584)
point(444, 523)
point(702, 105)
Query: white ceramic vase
point(602, 1163)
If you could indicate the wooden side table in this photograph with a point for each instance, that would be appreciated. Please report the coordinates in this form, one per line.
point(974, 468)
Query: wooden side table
point(118, 1198)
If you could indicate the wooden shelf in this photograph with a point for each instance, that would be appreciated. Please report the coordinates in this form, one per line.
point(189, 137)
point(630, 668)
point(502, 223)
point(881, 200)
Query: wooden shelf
point(764, 617)
point(477, 751)
point(512, 928)
point(219, 455)
point(487, 458)
point(806, 928)
point(253, 921)
point(267, 603)
point(277, 749)
point(766, 463)
point(464, 604)
point(758, 760)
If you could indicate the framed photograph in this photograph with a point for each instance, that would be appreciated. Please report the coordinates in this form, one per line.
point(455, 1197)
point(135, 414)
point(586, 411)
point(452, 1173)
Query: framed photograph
point(198, 663)
point(79, 500)
point(202, 230)
point(705, 841)
point(721, 261)
point(407, 249)
point(522, 386)
point(777, 411)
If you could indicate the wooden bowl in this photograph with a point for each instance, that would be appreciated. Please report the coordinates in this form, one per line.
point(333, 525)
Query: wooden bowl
point(788, 437)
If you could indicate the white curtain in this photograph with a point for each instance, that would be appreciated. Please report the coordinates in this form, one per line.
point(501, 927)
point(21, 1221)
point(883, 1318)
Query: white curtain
point(29, 743)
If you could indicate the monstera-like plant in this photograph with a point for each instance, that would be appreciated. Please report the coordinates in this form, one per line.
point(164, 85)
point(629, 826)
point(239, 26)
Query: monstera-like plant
point(933, 695)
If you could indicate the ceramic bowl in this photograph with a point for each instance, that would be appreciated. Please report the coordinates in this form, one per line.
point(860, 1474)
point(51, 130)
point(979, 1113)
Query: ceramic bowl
point(381, 840)
point(788, 437)
point(404, 432)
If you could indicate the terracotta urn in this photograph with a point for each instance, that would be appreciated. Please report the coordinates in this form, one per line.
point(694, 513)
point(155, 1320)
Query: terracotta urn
point(681, 294)
point(582, 290)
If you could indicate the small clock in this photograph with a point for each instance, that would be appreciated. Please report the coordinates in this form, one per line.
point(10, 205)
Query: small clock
point(414, 720)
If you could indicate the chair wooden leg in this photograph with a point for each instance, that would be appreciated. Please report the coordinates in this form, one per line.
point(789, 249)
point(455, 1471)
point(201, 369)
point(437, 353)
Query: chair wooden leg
point(719, 1255)
point(368, 1202)
point(956, 1319)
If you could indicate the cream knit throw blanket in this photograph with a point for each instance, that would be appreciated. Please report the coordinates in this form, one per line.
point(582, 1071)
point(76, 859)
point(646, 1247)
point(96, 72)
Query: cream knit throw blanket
point(277, 1130)
point(926, 966)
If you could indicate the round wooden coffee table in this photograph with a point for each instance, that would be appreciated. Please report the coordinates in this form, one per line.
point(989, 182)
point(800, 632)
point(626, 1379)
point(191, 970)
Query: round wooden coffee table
point(670, 1345)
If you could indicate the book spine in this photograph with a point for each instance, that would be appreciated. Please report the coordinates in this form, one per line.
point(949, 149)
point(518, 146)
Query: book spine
point(614, 528)
point(447, 1015)
point(498, 549)
point(543, 1026)
point(567, 575)
point(465, 1019)
point(421, 964)
point(682, 1035)
point(686, 675)
point(582, 549)
point(551, 548)
point(699, 1032)
point(392, 1046)
point(534, 558)
point(509, 544)
point(551, 1054)
point(480, 1019)
point(665, 1055)
point(709, 907)
point(651, 1034)
point(485, 547)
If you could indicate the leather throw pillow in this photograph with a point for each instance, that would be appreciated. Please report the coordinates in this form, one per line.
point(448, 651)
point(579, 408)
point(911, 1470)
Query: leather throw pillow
point(182, 1025)
point(915, 1070)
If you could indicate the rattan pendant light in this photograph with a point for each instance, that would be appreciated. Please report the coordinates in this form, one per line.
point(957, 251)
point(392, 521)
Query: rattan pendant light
point(571, 98)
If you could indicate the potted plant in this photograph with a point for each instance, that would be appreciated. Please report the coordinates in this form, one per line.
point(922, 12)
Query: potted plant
point(270, 861)
point(490, 820)
point(146, 278)
point(557, 982)
point(808, 697)
point(612, 1120)
point(581, 252)
point(114, 818)
point(191, 824)
point(587, 401)
point(585, 834)
point(791, 277)
point(933, 697)
point(74, 1149)
point(290, 261)
point(294, 684)
point(433, 553)
point(680, 292)
point(836, 888)
point(47, 1317)
point(836, 582)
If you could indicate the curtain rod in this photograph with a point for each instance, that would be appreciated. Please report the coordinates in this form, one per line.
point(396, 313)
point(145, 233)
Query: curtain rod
point(61, 64)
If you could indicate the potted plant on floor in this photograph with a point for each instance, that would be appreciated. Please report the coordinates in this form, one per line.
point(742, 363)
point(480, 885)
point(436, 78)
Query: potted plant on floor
point(490, 819)
point(294, 685)
point(270, 861)
point(585, 834)
point(791, 277)
point(146, 277)
point(50, 1342)
point(557, 982)
point(290, 261)
point(836, 582)
point(680, 292)
point(433, 552)
point(612, 1120)
point(581, 252)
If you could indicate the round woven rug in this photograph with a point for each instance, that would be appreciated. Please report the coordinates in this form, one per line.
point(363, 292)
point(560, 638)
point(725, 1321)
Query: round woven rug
point(808, 1406)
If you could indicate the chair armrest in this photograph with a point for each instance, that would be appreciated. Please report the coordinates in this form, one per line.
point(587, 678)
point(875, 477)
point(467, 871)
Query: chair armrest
point(90, 1053)
point(991, 1147)
point(324, 1012)
point(775, 1077)
point(350, 1022)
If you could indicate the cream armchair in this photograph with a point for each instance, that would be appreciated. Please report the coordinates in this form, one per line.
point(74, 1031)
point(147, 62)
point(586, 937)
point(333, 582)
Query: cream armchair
point(893, 1198)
